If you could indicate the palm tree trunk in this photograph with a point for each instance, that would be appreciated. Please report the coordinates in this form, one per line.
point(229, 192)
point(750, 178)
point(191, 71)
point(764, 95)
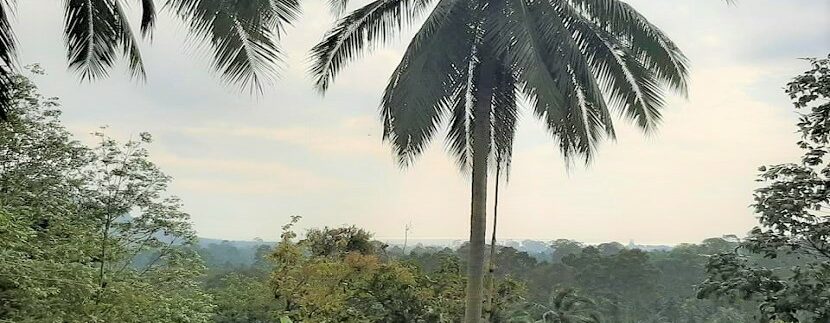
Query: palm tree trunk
point(491, 266)
point(478, 209)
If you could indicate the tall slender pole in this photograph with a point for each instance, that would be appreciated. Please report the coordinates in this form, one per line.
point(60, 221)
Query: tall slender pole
point(491, 268)
point(406, 237)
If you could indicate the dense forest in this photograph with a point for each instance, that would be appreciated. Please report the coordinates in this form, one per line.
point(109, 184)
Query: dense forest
point(606, 282)
point(89, 233)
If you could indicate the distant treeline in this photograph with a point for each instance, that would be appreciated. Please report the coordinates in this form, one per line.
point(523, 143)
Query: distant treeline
point(220, 252)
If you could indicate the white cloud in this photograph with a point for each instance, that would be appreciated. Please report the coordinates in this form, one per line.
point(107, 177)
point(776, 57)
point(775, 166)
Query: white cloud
point(355, 137)
point(241, 176)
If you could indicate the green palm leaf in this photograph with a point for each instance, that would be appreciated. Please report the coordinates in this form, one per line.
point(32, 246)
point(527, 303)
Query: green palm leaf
point(545, 76)
point(370, 25)
point(459, 127)
point(129, 45)
point(96, 32)
point(631, 90)
point(8, 45)
point(505, 115)
point(623, 21)
point(429, 80)
point(242, 34)
point(148, 17)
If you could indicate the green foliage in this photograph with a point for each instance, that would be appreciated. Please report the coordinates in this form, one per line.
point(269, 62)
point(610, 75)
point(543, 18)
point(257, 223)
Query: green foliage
point(88, 234)
point(623, 285)
point(564, 247)
point(513, 263)
point(244, 299)
point(334, 275)
point(627, 274)
point(686, 263)
point(334, 242)
point(564, 305)
point(790, 208)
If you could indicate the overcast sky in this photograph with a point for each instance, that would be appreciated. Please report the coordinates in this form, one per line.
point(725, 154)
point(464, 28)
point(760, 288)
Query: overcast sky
point(244, 164)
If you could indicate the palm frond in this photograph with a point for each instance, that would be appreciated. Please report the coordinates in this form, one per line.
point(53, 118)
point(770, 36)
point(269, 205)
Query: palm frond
point(656, 50)
point(574, 50)
point(625, 80)
point(6, 84)
point(244, 35)
point(429, 79)
point(566, 305)
point(459, 126)
point(129, 44)
point(8, 57)
point(505, 116)
point(549, 80)
point(558, 298)
point(92, 37)
point(338, 7)
point(148, 18)
point(364, 28)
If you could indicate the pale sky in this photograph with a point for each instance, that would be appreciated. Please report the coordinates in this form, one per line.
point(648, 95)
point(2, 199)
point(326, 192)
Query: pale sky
point(243, 165)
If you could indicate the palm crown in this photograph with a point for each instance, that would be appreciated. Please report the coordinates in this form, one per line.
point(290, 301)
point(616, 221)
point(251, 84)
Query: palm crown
point(243, 36)
point(566, 306)
point(574, 60)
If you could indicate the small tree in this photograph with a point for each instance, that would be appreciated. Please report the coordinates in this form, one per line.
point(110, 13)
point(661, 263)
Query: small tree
point(564, 306)
point(88, 234)
point(791, 208)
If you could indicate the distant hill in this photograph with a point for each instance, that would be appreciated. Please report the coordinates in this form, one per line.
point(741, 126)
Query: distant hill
point(230, 253)
point(204, 242)
point(219, 252)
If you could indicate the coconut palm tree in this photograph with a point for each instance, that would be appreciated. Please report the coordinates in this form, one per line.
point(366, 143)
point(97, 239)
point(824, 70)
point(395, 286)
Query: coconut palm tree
point(243, 36)
point(472, 61)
